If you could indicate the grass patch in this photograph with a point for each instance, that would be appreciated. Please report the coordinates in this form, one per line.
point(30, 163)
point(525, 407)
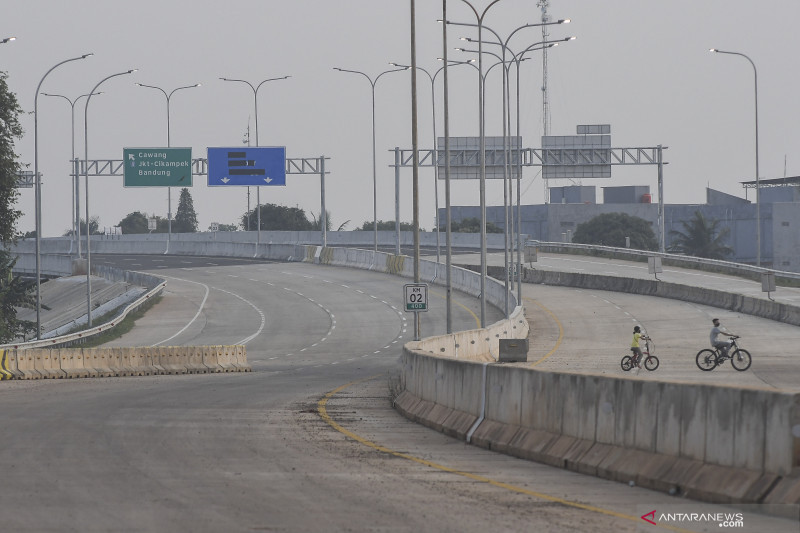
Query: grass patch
point(121, 328)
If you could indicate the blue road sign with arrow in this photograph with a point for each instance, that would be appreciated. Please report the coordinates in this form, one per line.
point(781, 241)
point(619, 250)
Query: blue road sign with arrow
point(250, 166)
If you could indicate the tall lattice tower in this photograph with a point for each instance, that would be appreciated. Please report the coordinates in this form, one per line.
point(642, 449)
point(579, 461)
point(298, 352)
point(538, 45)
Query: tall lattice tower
point(544, 4)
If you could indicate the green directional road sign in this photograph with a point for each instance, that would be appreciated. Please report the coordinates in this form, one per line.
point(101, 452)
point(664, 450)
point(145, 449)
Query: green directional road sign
point(157, 167)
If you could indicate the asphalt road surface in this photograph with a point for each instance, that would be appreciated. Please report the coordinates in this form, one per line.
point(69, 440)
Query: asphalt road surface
point(308, 441)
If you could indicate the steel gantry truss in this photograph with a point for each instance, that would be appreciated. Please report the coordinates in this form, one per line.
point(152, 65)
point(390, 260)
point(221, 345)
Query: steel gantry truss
point(544, 157)
point(535, 157)
point(299, 165)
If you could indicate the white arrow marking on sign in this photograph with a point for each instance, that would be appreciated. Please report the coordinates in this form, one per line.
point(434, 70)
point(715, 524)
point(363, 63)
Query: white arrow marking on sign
point(268, 180)
point(130, 156)
point(225, 180)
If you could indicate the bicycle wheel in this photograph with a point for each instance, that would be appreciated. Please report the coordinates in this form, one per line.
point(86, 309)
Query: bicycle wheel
point(706, 359)
point(626, 363)
point(651, 362)
point(740, 359)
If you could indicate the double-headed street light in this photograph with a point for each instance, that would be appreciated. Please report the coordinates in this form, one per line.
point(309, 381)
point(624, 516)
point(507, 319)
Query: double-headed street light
point(372, 83)
point(168, 97)
point(255, 105)
point(76, 210)
point(86, 187)
point(432, 78)
point(517, 59)
point(503, 44)
point(38, 191)
point(758, 183)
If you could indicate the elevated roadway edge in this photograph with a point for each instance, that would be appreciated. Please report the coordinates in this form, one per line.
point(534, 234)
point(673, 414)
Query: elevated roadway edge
point(708, 442)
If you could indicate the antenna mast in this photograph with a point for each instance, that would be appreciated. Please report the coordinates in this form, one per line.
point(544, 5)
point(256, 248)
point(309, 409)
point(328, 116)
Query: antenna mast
point(544, 4)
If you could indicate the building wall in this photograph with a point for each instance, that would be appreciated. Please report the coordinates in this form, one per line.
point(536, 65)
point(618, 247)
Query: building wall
point(780, 225)
point(786, 236)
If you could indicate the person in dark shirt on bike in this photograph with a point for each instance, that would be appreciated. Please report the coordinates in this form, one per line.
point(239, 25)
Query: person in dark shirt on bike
point(716, 342)
point(635, 348)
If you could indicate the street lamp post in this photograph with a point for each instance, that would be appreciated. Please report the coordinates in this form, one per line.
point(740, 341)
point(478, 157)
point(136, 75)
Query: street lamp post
point(506, 121)
point(86, 187)
point(432, 78)
point(758, 184)
point(372, 83)
point(517, 59)
point(38, 191)
point(7, 39)
point(169, 144)
point(255, 105)
point(76, 209)
point(481, 121)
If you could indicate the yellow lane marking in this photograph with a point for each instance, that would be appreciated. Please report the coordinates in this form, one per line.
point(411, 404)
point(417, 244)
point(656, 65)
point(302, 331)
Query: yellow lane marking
point(467, 309)
point(323, 413)
point(560, 332)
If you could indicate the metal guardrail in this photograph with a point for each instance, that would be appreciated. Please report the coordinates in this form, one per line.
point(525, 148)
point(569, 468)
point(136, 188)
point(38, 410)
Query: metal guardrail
point(695, 262)
point(64, 340)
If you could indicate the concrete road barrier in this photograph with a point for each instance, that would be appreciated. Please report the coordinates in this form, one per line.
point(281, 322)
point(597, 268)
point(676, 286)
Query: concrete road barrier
point(25, 365)
point(7, 363)
point(43, 363)
point(171, 360)
point(72, 364)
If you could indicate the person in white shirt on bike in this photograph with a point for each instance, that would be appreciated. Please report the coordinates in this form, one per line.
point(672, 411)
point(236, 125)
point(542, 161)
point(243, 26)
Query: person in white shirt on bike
point(716, 341)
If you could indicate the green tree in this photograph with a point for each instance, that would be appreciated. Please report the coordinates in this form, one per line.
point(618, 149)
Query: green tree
point(135, 222)
point(94, 225)
point(162, 224)
point(471, 225)
point(10, 129)
point(185, 217)
point(14, 292)
point(226, 227)
point(610, 229)
point(317, 223)
point(277, 218)
point(386, 225)
point(701, 238)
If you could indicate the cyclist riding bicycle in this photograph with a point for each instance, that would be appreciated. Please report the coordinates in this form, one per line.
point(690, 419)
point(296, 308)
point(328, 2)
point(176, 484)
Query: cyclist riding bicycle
point(716, 342)
point(635, 348)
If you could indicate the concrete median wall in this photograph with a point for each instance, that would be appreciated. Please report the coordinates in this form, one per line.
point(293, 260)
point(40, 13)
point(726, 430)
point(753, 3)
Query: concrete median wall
point(41, 363)
point(478, 344)
point(748, 305)
point(462, 279)
point(158, 243)
point(707, 442)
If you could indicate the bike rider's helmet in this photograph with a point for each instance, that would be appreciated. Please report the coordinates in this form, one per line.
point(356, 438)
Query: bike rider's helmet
point(636, 329)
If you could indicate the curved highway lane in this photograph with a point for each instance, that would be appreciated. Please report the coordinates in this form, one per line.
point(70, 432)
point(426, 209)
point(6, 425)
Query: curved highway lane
point(251, 452)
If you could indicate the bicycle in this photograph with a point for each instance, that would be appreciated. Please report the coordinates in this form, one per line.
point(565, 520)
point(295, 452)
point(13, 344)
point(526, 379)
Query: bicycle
point(651, 362)
point(708, 360)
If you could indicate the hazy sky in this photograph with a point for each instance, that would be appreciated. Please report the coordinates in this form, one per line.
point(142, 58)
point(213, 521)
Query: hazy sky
point(641, 66)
